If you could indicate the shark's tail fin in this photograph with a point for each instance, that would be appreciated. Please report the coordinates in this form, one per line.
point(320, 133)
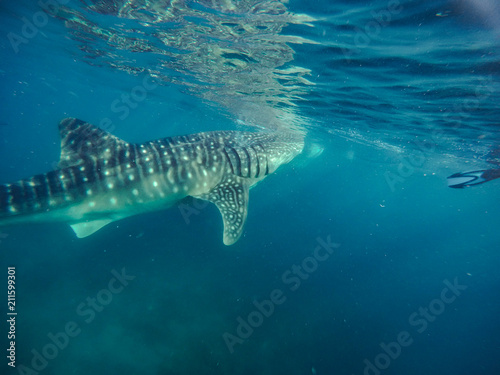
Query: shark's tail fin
point(466, 179)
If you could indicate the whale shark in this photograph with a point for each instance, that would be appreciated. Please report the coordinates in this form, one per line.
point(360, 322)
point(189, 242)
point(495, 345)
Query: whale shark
point(101, 178)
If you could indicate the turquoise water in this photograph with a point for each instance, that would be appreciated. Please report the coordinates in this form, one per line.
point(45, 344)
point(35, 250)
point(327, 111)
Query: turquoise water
point(398, 94)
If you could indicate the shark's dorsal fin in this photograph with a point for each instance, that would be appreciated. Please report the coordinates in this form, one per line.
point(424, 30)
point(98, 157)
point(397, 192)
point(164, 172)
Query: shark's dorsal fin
point(81, 141)
point(231, 198)
point(89, 227)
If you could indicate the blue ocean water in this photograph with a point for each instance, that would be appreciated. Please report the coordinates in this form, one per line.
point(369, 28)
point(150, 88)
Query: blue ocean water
point(398, 273)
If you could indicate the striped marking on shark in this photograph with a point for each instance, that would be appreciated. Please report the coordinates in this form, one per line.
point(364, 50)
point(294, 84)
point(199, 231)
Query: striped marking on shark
point(101, 178)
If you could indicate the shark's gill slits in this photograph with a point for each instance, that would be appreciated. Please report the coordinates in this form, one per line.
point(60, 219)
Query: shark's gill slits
point(249, 162)
point(234, 160)
point(257, 162)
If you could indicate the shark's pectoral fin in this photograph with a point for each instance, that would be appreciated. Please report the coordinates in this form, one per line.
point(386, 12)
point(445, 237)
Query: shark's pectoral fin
point(231, 198)
point(89, 227)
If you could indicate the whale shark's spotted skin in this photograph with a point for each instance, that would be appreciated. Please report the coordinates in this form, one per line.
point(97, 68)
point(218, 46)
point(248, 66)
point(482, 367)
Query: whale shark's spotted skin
point(102, 178)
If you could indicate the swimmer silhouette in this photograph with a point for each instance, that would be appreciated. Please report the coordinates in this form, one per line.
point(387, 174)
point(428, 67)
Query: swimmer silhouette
point(465, 179)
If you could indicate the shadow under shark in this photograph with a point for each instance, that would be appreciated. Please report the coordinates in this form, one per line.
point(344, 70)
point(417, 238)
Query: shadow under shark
point(102, 178)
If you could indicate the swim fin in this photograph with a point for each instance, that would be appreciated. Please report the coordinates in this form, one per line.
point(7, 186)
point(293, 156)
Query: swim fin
point(466, 179)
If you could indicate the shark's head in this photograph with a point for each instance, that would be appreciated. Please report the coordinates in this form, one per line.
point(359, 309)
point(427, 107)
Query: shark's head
point(280, 148)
